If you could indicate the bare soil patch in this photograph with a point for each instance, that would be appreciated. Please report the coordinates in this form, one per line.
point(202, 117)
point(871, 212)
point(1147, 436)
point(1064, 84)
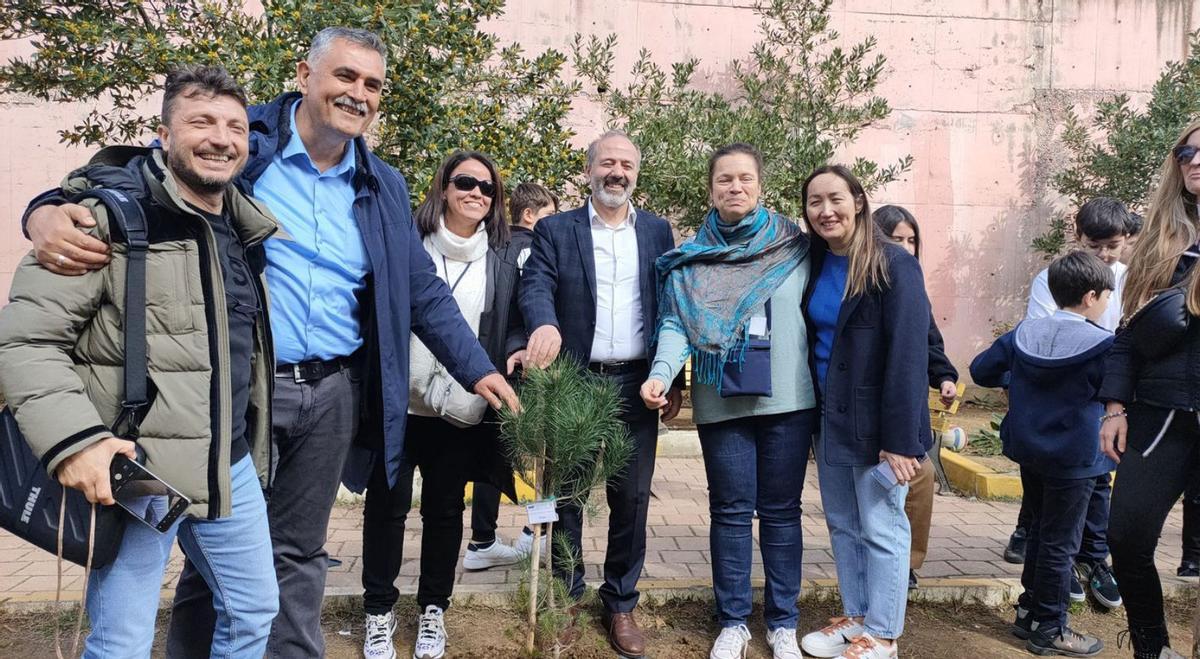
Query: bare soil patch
point(676, 630)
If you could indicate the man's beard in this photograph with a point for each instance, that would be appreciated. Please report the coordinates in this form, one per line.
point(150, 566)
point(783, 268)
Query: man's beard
point(194, 179)
point(607, 198)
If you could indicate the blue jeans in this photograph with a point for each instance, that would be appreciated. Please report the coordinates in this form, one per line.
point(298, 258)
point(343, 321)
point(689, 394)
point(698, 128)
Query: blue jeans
point(757, 463)
point(1058, 508)
point(870, 536)
point(234, 556)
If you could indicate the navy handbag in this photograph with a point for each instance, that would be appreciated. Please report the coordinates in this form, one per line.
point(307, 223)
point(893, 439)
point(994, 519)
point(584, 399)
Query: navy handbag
point(33, 505)
point(750, 375)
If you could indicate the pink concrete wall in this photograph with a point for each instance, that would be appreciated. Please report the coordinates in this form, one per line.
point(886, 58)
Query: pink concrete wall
point(978, 88)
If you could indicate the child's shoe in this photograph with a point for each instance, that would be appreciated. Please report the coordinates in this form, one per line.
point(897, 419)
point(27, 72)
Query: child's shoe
point(1063, 641)
point(1077, 592)
point(1015, 551)
point(1024, 624)
point(783, 643)
point(1103, 585)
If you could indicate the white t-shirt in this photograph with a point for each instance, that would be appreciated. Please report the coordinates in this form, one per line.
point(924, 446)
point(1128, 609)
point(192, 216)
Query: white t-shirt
point(1041, 303)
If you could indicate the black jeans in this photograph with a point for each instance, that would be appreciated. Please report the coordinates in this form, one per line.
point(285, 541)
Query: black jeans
point(1093, 547)
point(485, 509)
point(442, 452)
point(1057, 510)
point(628, 502)
point(312, 425)
point(1146, 489)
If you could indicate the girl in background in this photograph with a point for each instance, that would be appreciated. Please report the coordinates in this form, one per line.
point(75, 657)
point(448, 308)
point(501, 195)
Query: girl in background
point(900, 225)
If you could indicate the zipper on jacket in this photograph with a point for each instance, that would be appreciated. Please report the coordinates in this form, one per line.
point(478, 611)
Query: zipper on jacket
point(218, 340)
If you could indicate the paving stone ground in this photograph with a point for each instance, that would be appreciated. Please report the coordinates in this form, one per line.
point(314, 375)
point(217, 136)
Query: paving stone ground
point(967, 541)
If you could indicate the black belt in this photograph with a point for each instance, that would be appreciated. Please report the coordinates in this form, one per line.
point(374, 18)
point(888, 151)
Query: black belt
point(619, 368)
point(311, 371)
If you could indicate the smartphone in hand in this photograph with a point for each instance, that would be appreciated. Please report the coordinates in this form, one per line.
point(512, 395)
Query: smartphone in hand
point(147, 497)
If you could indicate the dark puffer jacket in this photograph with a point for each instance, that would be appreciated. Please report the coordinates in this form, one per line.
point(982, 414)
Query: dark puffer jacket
point(1171, 382)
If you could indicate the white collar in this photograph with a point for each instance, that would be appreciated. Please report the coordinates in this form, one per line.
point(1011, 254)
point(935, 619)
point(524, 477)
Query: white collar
point(595, 217)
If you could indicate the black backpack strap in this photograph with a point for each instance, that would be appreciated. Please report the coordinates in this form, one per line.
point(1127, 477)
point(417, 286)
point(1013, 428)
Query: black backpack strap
point(127, 214)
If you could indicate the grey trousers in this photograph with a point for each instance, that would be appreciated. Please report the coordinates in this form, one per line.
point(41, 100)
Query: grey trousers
point(313, 424)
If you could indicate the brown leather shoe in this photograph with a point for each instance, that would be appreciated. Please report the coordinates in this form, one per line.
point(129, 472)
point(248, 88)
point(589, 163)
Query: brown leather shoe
point(625, 636)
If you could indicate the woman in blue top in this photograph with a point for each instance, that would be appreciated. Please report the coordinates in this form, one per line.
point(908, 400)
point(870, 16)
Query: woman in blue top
point(731, 300)
point(868, 321)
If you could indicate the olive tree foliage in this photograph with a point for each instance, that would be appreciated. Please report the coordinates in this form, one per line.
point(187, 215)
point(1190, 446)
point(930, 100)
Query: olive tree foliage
point(1119, 150)
point(800, 97)
point(449, 85)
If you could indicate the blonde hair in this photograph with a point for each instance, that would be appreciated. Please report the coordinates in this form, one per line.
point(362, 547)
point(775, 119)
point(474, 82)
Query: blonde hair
point(1170, 228)
point(868, 267)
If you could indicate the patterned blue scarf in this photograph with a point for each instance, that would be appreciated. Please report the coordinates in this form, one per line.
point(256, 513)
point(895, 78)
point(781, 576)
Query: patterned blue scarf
point(713, 283)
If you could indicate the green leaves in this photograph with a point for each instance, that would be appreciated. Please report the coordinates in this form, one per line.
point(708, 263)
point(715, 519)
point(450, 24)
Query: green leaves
point(571, 419)
point(449, 84)
point(1119, 152)
point(799, 98)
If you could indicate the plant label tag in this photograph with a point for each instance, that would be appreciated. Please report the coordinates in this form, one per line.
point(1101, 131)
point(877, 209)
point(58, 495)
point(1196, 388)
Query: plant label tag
point(541, 512)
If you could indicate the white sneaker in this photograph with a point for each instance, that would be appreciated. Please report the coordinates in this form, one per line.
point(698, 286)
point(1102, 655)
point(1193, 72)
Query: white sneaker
point(431, 635)
point(380, 630)
point(495, 555)
point(1168, 653)
point(731, 644)
point(867, 647)
point(524, 544)
point(833, 639)
point(783, 643)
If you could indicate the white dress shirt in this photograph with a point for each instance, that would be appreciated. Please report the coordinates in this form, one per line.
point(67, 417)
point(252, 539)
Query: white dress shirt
point(619, 332)
point(1041, 303)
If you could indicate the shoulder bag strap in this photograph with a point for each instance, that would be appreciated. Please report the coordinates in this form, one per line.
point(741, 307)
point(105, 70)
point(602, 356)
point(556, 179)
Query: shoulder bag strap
point(127, 214)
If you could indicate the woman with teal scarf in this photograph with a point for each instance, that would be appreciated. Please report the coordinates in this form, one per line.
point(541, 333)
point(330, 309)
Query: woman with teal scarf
point(731, 301)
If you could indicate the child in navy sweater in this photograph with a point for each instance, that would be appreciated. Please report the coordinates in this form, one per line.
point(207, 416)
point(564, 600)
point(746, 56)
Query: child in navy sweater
point(1053, 368)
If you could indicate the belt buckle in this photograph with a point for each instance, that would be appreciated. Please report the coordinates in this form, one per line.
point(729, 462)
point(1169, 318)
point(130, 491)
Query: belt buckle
point(296, 374)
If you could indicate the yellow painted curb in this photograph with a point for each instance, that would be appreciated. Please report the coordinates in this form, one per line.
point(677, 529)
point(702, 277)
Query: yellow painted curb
point(970, 477)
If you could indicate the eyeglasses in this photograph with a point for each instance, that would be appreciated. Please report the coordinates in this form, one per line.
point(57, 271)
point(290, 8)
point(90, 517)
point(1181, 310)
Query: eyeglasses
point(467, 183)
point(1185, 153)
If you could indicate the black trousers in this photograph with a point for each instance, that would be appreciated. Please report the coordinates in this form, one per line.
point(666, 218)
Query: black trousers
point(312, 425)
point(1057, 512)
point(1093, 546)
point(1146, 489)
point(628, 501)
point(485, 509)
point(443, 453)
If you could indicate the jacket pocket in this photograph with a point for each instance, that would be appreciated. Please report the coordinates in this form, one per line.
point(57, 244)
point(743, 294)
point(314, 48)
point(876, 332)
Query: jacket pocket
point(866, 413)
point(169, 292)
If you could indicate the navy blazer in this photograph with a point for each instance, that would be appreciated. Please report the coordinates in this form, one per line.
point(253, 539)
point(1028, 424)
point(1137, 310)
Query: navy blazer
point(403, 292)
point(558, 283)
point(875, 396)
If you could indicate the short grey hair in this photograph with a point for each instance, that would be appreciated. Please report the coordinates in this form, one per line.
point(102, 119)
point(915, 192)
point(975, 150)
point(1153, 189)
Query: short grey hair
point(365, 38)
point(594, 147)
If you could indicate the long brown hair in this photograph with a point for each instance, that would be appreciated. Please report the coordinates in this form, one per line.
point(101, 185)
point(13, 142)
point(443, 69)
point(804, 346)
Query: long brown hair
point(868, 264)
point(434, 205)
point(1170, 228)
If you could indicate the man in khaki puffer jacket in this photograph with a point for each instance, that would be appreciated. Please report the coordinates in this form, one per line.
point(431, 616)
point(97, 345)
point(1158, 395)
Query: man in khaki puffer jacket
point(206, 430)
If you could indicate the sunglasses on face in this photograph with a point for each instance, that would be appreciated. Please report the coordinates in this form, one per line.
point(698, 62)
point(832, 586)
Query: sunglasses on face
point(467, 183)
point(1184, 153)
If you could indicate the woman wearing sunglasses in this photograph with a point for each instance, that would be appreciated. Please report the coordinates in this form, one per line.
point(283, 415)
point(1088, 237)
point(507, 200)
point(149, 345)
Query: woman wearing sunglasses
point(1151, 389)
point(452, 434)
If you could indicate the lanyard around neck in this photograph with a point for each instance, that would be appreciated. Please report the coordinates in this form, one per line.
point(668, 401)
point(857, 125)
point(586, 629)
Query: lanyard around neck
point(460, 275)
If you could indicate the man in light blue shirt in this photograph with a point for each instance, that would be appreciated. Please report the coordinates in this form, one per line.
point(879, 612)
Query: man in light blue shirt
point(317, 271)
point(349, 281)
